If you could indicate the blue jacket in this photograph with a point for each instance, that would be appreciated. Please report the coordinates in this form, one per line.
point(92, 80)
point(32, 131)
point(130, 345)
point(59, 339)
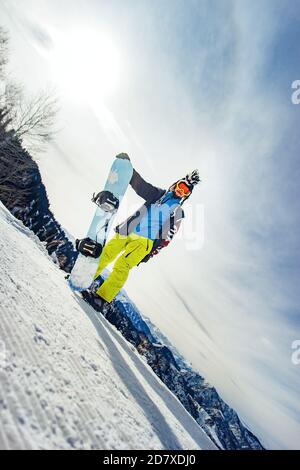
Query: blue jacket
point(151, 194)
point(158, 214)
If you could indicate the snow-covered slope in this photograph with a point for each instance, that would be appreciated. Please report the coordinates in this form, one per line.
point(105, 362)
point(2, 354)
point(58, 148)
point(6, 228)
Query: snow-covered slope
point(67, 378)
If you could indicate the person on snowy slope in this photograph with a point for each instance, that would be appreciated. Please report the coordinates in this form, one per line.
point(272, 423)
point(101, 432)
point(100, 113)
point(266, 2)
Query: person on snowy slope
point(146, 232)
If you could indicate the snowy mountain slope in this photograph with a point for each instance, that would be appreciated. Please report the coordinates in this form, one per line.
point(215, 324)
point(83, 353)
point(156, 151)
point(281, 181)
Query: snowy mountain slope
point(219, 421)
point(67, 378)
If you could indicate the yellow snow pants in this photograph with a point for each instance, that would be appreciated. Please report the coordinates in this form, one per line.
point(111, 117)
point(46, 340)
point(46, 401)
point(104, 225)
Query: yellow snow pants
point(134, 248)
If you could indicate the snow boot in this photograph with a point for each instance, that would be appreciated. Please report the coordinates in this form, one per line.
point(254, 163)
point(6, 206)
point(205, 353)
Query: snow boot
point(94, 300)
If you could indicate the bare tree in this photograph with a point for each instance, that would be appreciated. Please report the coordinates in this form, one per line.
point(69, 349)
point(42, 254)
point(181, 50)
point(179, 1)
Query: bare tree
point(23, 123)
point(31, 120)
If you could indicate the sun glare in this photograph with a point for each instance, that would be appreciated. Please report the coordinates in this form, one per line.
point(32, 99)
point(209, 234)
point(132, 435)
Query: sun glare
point(85, 64)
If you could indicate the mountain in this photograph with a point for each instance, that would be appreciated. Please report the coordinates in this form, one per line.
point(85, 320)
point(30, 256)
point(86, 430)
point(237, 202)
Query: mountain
point(220, 422)
point(201, 400)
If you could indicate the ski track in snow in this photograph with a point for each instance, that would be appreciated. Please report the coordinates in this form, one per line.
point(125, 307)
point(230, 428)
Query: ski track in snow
point(68, 379)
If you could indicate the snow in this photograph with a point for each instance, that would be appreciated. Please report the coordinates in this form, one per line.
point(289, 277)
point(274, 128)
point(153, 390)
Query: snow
point(68, 379)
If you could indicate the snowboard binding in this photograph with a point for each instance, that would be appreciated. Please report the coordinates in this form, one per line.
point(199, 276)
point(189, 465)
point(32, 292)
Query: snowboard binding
point(106, 201)
point(89, 247)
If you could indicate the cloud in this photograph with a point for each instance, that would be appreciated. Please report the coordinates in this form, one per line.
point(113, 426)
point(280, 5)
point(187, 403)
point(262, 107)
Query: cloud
point(40, 36)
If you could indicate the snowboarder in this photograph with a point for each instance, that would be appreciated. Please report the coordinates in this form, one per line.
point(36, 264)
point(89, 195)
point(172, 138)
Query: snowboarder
point(142, 235)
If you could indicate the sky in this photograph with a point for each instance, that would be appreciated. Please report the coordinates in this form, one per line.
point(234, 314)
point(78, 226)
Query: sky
point(180, 85)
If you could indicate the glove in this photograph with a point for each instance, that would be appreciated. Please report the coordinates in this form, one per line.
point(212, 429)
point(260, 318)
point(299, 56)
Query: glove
point(123, 156)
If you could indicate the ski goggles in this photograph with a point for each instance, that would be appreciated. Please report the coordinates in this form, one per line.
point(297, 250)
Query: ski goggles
point(182, 189)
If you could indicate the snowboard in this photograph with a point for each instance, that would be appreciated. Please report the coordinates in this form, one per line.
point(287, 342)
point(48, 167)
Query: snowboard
point(82, 274)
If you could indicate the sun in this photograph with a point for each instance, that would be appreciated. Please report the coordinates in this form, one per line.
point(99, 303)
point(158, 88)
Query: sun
point(85, 64)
